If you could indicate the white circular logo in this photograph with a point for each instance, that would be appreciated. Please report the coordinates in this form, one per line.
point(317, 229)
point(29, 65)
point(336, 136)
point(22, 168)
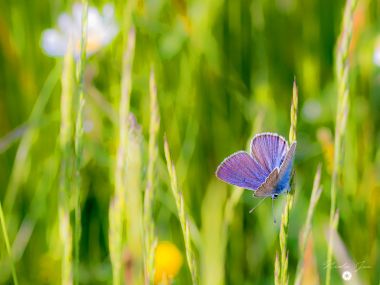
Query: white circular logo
point(347, 275)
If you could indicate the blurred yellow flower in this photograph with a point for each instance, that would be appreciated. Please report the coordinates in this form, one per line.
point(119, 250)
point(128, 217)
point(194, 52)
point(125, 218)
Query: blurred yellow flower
point(167, 262)
point(325, 139)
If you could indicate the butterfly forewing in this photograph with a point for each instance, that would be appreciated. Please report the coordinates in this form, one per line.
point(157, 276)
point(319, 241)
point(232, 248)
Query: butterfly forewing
point(268, 150)
point(242, 170)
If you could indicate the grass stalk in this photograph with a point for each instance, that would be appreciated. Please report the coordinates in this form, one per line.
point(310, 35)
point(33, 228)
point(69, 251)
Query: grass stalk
point(117, 208)
point(306, 230)
point(277, 270)
point(66, 168)
point(293, 114)
point(66, 235)
point(183, 217)
point(231, 203)
point(115, 231)
point(284, 278)
point(18, 172)
point(133, 257)
point(342, 70)
point(315, 194)
point(7, 245)
point(149, 237)
point(214, 235)
point(78, 138)
point(281, 267)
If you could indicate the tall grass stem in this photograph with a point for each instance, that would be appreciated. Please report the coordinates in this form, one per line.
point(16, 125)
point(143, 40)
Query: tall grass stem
point(7, 245)
point(22, 153)
point(149, 237)
point(183, 217)
point(117, 208)
point(283, 259)
point(306, 230)
point(78, 139)
point(66, 168)
point(342, 72)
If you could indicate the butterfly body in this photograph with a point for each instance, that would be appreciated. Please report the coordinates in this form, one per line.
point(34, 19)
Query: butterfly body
point(266, 170)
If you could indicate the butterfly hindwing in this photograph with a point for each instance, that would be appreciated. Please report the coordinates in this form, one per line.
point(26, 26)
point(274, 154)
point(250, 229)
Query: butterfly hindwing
point(269, 150)
point(286, 169)
point(268, 188)
point(278, 180)
point(242, 170)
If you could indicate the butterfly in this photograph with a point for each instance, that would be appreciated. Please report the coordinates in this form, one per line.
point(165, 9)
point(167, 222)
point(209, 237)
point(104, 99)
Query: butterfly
point(266, 170)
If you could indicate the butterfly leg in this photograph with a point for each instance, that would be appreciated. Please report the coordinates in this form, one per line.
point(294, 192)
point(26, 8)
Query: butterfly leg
point(274, 196)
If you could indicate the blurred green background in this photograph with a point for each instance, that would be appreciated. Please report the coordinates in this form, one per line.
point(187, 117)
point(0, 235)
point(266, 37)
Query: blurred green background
point(224, 71)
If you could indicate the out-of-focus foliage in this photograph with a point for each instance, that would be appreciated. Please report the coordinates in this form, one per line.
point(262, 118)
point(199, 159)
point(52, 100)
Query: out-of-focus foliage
point(224, 71)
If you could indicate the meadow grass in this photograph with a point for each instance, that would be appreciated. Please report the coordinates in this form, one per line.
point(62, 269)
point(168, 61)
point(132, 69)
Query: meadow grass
point(118, 205)
point(182, 216)
point(306, 229)
point(78, 138)
point(342, 77)
point(150, 239)
point(281, 262)
point(19, 171)
point(7, 244)
point(66, 168)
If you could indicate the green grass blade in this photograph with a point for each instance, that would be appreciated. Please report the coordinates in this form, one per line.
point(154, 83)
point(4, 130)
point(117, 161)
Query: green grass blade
point(150, 239)
point(7, 244)
point(182, 215)
point(342, 70)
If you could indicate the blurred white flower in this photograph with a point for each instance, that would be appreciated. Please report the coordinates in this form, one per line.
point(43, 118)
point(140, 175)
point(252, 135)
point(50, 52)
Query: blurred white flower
point(101, 30)
point(312, 110)
point(88, 126)
point(376, 53)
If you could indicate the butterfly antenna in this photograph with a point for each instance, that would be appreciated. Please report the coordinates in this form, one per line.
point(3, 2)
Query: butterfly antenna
point(254, 208)
point(274, 218)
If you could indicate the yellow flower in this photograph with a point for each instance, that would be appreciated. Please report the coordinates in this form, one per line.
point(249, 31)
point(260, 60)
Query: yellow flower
point(167, 262)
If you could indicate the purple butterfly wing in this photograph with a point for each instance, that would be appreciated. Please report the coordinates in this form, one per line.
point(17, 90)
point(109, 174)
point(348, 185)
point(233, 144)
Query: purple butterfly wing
point(242, 170)
point(286, 168)
point(268, 188)
point(279, 179)
point(269, 150)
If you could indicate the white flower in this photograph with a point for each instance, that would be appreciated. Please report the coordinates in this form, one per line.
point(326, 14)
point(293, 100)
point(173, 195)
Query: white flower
point(376, 54)
point(101, 30)
point(312, 110)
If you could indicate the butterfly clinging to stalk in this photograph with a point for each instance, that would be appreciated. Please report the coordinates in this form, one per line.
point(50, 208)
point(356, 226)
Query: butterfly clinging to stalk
point(266, 170)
